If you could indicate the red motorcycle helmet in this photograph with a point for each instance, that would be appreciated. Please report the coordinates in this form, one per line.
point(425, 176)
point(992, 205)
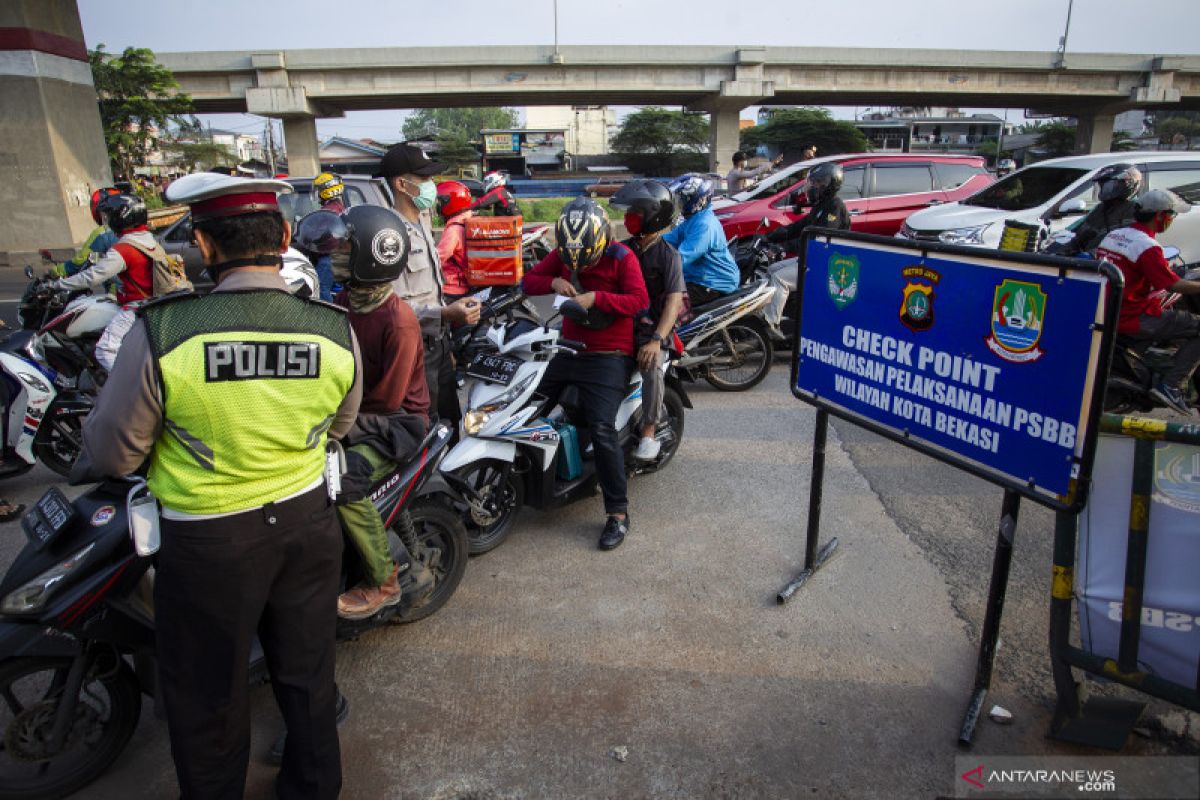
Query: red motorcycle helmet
point(97, 196)
point(452, 198)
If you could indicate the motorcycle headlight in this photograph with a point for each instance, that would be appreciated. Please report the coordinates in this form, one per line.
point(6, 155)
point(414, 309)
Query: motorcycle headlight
point(477, 417)
point(32, 596)
point(964, 235)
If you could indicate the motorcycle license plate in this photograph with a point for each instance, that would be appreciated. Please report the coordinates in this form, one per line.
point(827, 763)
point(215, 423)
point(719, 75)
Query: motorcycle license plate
point(49, 517)
point(493, 367)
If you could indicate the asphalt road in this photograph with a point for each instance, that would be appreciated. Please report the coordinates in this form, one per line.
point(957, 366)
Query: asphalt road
point(551, 655)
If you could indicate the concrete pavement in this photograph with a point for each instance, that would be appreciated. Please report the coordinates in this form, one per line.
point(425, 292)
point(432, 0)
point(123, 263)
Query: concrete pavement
point(552, 653)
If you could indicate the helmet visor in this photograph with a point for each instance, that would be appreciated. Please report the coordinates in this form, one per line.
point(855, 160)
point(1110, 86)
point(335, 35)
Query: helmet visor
point(323, 232)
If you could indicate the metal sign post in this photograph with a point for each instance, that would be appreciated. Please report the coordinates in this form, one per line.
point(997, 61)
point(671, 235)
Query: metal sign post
point(990, 361)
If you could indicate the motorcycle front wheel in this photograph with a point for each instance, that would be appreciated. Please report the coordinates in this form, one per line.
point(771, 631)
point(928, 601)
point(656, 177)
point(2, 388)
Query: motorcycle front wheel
point(107, 711)
point(490, 520)
point(742, 358)
point(59, 441)
point(441, 545)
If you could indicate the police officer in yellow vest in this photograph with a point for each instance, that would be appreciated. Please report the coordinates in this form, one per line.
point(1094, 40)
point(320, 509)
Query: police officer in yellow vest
point(232, 396)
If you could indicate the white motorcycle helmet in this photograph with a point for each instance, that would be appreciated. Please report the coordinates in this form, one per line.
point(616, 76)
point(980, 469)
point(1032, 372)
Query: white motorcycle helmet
point(494, 179)
point(299, 274)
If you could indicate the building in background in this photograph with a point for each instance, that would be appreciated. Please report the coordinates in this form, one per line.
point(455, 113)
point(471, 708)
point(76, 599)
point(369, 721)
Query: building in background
point(586, 129)
point(350, 156)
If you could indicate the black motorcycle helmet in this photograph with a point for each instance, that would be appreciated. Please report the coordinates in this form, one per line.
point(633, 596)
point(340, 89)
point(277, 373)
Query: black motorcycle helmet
point(368, 243)
point(122, 211)
point(823, 181)
point(583, 233)
point(650, 206)
point(1118, 182)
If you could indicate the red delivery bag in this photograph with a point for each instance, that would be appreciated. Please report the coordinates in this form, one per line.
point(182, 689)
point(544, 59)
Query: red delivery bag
point(494, 251)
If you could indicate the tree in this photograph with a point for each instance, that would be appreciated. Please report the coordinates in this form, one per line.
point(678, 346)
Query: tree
point(137, 100)
point(1057, 139)
point(790, 129)
point(462, 123)
point(662, 141)
point(456, 149)
point(1175, 129)
point(202, 154)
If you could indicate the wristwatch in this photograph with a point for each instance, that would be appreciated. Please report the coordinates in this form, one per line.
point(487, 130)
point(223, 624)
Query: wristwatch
point(656, 337)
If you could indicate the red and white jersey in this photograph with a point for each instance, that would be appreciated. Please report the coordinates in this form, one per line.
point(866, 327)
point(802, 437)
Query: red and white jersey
point(1140, 259)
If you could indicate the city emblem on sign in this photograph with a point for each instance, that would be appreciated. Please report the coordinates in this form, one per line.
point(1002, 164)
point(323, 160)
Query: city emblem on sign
point(1177, 477)
point(1018, 313)
point(916, 307)
point(843, 279)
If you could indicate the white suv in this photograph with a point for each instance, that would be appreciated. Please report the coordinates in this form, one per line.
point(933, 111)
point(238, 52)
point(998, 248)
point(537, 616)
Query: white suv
point(1059, 192)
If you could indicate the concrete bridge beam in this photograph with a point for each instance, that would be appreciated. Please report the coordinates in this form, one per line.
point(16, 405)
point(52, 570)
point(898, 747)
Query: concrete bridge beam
point(51, 141)
point(303, 149)
point(1094, 132)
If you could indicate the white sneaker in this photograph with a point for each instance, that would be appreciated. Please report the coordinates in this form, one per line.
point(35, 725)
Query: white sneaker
point(647, 449)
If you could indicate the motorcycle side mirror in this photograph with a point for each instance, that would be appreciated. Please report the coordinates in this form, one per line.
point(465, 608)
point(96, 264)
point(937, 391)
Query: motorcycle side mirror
point(28, 271)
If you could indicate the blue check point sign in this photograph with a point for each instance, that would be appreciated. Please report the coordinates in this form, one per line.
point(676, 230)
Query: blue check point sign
point(974, 357)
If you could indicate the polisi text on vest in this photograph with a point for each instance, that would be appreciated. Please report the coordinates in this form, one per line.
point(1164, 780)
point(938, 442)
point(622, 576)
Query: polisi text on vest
point(240, 361)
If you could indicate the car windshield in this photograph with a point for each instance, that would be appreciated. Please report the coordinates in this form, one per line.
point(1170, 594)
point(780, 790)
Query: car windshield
point(298, 204)
point(1029, 188)
point(772, 184)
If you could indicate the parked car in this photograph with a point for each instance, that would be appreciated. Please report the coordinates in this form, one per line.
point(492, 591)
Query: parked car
point(605, 187)
point(360, 190)
point(1059, 192)
point(879, 190)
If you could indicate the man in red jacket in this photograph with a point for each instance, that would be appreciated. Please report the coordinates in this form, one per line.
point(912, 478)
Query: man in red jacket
point(605, 279)
point(129, 260)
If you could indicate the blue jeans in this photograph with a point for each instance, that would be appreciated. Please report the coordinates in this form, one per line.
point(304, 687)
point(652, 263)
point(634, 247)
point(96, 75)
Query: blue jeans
point(324, 268)
point(601, 381)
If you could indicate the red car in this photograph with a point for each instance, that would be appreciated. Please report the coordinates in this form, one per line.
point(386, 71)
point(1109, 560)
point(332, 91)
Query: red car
point(879, 190)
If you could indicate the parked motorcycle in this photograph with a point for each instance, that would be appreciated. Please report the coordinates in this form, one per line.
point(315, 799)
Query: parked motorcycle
point(77, 631)
point(514, 452)
point(535, 244)
point(726, 342)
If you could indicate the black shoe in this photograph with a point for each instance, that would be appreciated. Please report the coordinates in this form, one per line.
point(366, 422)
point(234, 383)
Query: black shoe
point(275, 754)
point(614, 533)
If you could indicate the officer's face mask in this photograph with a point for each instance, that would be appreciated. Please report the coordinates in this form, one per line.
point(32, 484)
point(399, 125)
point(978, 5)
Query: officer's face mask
point(426, 195)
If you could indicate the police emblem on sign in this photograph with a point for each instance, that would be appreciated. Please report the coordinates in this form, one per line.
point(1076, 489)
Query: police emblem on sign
point(245, 361)
point(916, 306)
point(387, 247)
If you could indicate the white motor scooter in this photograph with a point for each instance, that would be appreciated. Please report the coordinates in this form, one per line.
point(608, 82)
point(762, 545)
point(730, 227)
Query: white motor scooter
point(513, 451)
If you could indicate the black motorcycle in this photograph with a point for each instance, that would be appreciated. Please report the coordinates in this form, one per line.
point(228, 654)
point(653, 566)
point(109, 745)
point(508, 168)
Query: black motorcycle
point(77, 632)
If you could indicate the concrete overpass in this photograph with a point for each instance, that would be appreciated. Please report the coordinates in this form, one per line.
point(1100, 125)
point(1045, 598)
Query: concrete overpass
point(300, 86)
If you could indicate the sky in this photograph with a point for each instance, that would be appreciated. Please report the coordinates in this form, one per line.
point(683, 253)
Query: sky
point(1162, 27)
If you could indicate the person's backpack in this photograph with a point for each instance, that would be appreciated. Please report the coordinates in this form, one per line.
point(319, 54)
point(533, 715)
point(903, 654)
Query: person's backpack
point(168, 271)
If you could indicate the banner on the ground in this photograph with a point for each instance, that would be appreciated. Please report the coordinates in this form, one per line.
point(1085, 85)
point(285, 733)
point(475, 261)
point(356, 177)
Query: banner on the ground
point(985, 359)
point(1169, 646)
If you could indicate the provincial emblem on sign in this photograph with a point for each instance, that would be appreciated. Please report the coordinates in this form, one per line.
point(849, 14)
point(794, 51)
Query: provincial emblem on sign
point(843, 279)
point(1177, 476)
point(916, 304)
point(1018, 314)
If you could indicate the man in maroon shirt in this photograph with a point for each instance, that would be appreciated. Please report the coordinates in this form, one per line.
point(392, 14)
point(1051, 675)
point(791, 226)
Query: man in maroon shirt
point(395, 405)
point(1140, 259)
point(605, 279)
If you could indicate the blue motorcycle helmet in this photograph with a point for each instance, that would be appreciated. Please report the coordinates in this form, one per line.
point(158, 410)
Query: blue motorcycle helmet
point(694, 192)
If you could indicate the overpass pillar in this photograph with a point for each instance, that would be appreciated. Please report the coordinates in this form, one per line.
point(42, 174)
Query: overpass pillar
point(51, 141)
point(303, 149)
point(724, 134)
point(1094, 132)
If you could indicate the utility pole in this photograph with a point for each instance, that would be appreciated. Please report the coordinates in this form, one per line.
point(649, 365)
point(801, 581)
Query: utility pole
point(557, 57)
point(1061, 61)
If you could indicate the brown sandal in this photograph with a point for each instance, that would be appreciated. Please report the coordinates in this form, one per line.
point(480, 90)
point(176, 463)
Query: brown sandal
point(10, 512)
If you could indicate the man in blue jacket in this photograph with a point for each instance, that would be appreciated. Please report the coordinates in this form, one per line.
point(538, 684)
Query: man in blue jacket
point(708, 268)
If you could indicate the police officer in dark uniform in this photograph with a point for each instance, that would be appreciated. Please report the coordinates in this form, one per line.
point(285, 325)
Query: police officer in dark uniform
point(232, 396)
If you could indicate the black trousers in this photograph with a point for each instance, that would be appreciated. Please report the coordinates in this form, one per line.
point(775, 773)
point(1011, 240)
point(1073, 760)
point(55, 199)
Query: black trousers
point(699, 295)
point(272, 572)
point(439, 375)
point(1175, 324)
point(601, 381)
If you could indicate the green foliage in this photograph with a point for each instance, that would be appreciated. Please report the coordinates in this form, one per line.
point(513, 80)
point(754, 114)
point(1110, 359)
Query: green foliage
point(1122, 141)
point(1175, 129)
point(660, 141)
point(137, 99)
point(459, 123)
point(1057, 139)
point(790, 129)
point(456, 149)
point(547, 209)
point(201, 154)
